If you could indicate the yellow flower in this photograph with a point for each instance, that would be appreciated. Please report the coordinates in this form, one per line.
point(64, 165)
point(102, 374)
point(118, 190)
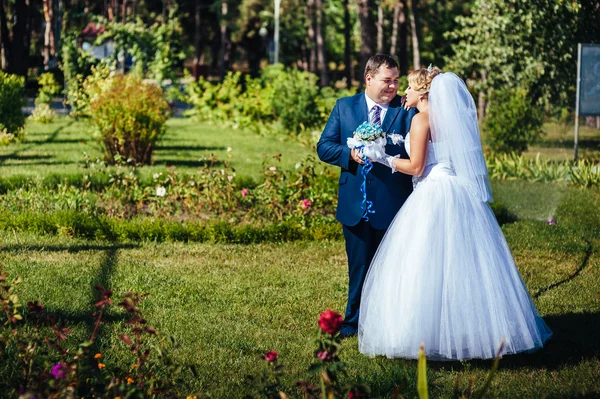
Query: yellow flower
point(130, 380)
point(101, 365)
point(191, 397)
point(134, 366)
point(97, 355)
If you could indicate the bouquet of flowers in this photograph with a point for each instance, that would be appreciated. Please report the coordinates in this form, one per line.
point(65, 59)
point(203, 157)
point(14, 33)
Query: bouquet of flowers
point(370, 139)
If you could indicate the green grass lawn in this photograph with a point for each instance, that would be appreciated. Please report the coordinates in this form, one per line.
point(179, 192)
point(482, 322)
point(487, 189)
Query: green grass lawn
point(228, 304)
point(59, 148)
point(558, 141)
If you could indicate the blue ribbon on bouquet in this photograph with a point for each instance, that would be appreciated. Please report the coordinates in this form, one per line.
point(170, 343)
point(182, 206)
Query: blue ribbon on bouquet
point(366, 205)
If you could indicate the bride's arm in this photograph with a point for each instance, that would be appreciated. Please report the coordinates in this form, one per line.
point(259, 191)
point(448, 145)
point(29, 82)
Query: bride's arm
point(419, 136)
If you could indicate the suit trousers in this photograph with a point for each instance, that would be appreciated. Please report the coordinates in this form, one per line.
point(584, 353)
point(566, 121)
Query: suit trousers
point(362, 241)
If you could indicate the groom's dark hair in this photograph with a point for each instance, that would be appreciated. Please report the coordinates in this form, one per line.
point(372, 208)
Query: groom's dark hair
point(376, 61)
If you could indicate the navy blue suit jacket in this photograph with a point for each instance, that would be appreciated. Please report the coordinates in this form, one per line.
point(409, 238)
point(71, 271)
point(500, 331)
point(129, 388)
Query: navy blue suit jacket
point(387, 190)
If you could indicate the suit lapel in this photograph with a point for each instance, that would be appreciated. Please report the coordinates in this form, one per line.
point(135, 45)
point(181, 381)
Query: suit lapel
point(391, 114)
point(360, 109)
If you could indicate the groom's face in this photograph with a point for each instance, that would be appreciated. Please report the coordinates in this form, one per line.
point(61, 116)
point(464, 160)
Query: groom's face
point(382, 86)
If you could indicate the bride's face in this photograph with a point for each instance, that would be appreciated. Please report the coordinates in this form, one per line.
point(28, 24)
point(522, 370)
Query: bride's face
point(383, 86)
point(412, 97)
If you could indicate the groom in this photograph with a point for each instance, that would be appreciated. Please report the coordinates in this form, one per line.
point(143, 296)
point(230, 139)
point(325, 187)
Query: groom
point(388, 191)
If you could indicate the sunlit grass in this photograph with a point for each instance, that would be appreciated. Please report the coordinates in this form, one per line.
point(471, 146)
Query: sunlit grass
point(228, 304)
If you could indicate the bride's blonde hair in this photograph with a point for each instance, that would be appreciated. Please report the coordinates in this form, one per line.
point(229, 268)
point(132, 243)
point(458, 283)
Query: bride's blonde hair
point(420, 79)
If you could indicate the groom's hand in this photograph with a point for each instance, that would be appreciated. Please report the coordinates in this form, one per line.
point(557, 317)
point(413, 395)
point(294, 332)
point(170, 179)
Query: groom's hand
point(357, 156)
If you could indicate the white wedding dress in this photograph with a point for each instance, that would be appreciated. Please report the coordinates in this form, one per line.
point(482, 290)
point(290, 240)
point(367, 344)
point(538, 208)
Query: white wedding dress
point(444, 275)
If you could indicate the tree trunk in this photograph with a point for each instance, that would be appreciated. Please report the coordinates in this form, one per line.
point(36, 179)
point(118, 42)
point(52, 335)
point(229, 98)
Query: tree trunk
point(320, 28)
point(19, 38)
point(312, 48)
point(58, 25)
point(223, 50)
point(379, 28)
point(7, 55)
point(481, 99)
point(198, 43)
point(368, 32)
point(394, 38)
point(49, 49)
point(415, 29)
point(347, 45)
point(124, 11)
point(403, 33)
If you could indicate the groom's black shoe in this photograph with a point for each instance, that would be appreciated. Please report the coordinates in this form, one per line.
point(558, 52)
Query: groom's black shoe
point(347, 333)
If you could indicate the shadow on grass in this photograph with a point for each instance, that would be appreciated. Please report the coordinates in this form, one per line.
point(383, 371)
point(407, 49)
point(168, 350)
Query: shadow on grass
point(68, 248)
point(187, 163)
point(574, 339)
point(589, 143)
point(50, 139)
point(166, 148)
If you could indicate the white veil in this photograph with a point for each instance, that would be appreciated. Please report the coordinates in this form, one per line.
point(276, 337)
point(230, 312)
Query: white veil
point(455, 133)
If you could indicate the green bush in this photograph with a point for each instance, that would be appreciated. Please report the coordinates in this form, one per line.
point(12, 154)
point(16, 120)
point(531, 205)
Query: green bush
point(293, 100)
point(12, 99)
point(280, 100)
point(513, 121)
point(129, 115)
point(48, 88)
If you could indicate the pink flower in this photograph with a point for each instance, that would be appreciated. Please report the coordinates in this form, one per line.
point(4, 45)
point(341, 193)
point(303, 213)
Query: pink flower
point(354, 395)
point(244, 192)
point(306, 203)
point(230, 178)
point(271, 356)
point(324, 355)
point(330, 322)
point(272, 168)
point(59, 371)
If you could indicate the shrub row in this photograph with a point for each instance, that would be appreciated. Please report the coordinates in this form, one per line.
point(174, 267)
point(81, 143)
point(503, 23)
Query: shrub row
point(80, 225)
point(75, 224)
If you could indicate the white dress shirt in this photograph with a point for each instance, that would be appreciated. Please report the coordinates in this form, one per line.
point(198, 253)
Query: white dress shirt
point(371, 104)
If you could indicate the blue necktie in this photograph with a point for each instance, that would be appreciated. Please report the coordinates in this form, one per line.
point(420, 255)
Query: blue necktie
point(376, 119)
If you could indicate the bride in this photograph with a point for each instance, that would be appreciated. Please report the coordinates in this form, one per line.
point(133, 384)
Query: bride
point(443, 274)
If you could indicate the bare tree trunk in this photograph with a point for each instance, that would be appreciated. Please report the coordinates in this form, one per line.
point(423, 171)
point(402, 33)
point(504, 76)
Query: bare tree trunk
point(223, 51)
point(124, 11)
point(198, 44)
point(347, 45)
point(49, 49)
point(481, 99)
point(414, 26)
point(312, 57)
point(394, 38)
point(379, 28)
point(19, 38)
point(403, 33)
point(368, 32)
point(320, 27)
point(5, 40)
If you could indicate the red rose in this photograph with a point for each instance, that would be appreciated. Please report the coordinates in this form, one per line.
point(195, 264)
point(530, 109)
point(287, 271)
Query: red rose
point(330, 322)
point(270, 356)
point(324, 355)
point(354, 395)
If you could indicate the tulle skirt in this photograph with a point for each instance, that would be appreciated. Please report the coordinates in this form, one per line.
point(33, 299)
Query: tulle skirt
point(444, 276)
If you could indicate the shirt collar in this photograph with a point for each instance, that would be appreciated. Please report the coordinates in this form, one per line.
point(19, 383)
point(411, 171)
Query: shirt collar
point(371, 104)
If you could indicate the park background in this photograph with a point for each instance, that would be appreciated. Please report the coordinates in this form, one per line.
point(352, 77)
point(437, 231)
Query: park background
point(157, 147)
